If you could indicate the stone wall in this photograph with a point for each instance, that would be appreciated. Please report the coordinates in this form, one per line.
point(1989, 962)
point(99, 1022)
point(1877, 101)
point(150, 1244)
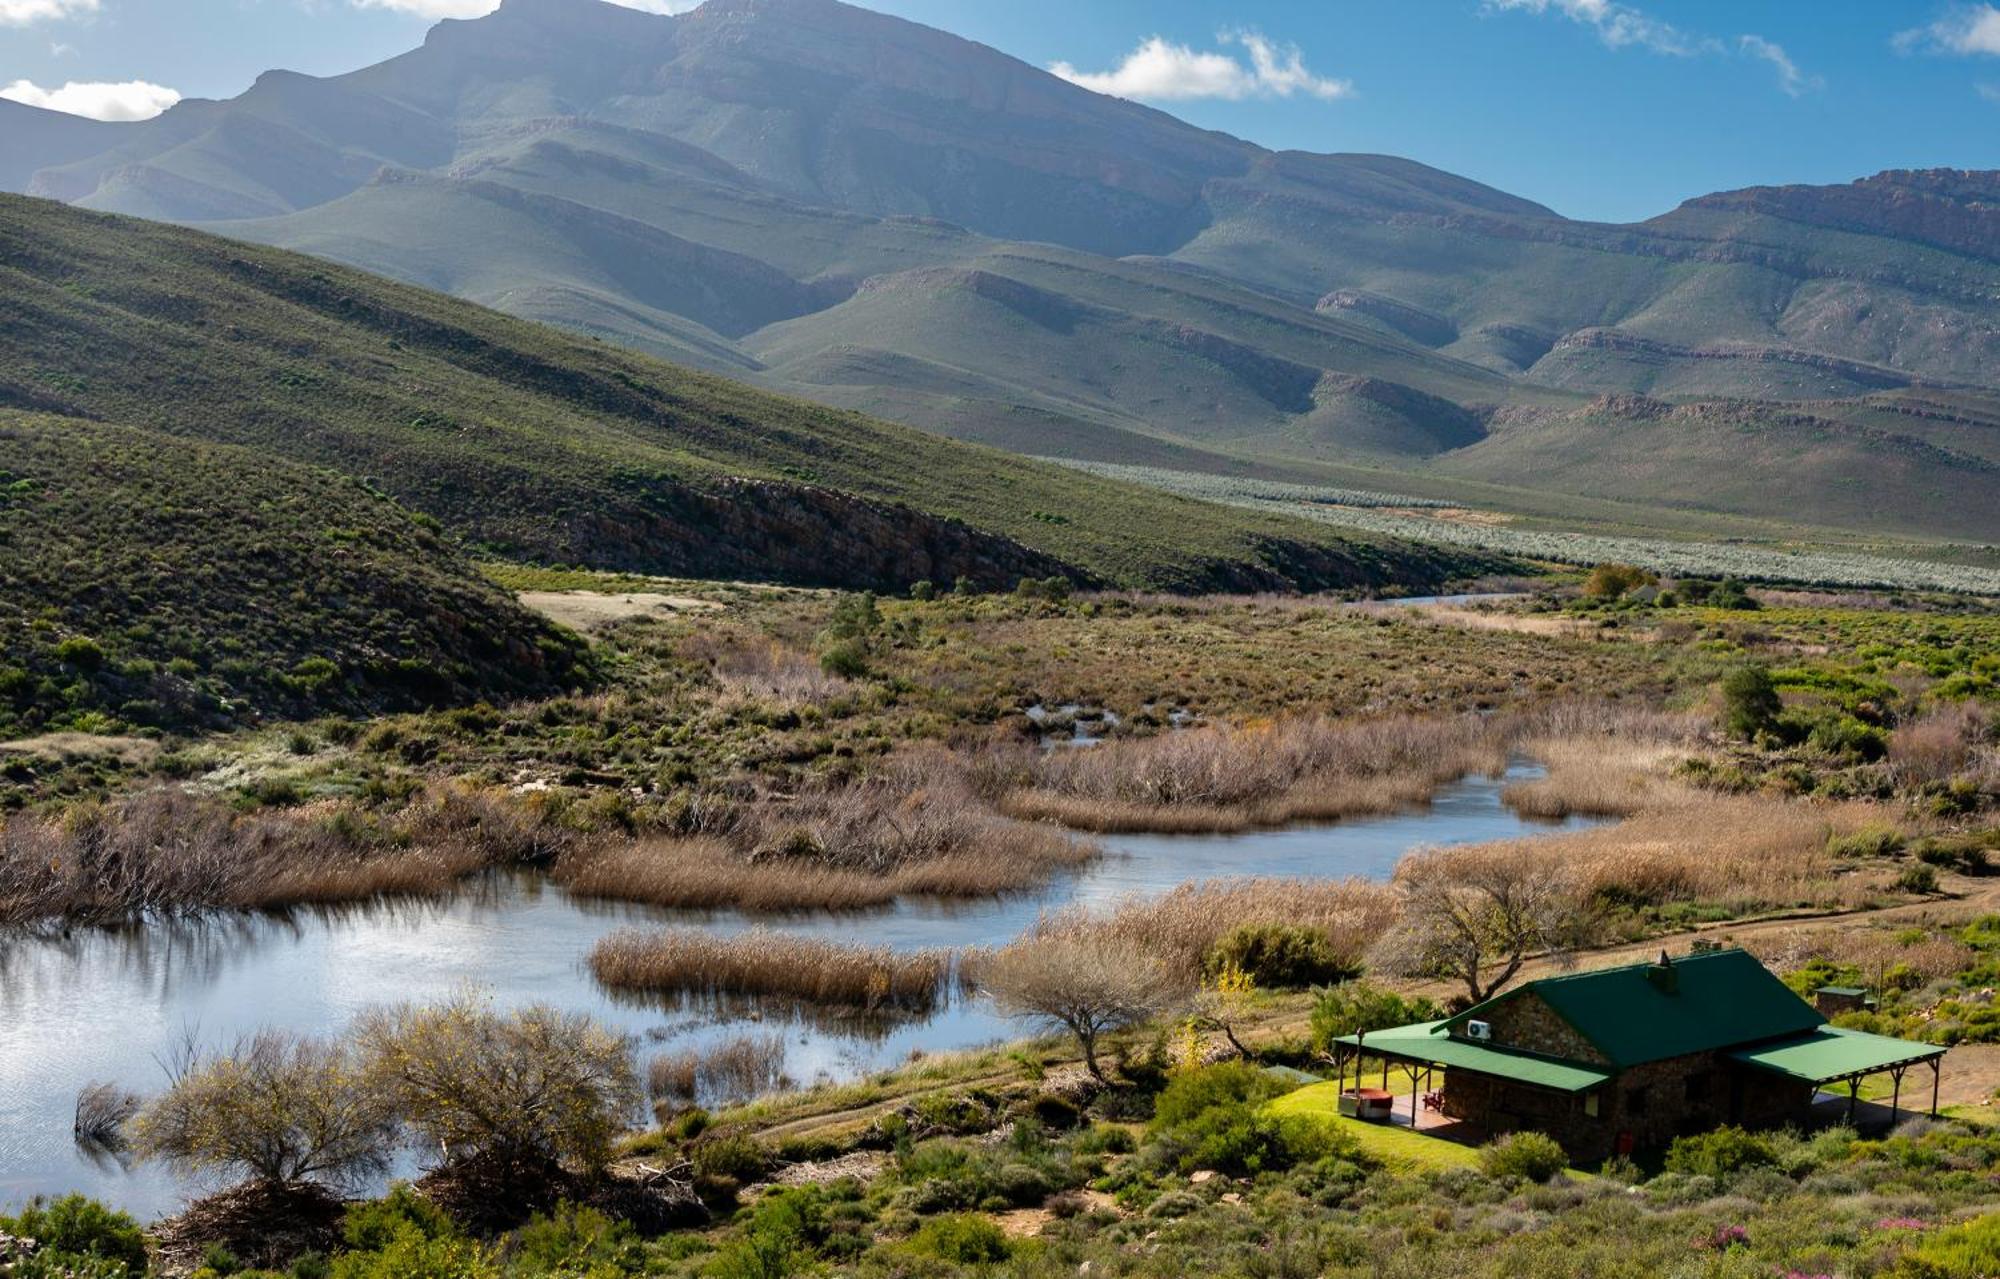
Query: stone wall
point(1652, 1103)
point(1527, 1023)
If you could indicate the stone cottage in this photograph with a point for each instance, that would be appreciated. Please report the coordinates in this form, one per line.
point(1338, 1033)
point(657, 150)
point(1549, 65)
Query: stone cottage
point(1621, 1058)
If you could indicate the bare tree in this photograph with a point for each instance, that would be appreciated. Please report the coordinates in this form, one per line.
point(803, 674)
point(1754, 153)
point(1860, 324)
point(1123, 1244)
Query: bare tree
point(1476, 915)
point(279, 1107)
point(1079, 980)
point(534, 1084)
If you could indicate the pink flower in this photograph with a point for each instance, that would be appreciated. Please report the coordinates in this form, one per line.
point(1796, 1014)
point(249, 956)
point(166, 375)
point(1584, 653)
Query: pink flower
point(1900, 1223)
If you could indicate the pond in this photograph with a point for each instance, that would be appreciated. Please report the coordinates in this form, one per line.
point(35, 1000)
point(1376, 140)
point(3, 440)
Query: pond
point(109, 1005)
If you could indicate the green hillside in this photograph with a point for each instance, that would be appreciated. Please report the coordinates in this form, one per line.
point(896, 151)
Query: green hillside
point(535, 444)
point(147, 581)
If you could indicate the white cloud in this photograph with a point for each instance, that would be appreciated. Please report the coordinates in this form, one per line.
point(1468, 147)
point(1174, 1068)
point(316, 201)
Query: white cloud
point(1161, 71)
point(480, 8)
point(1990, 92)
point(1970, 29)
point(19, 13)
point(1792, 80)
point(1619, 26)
point(129, 100)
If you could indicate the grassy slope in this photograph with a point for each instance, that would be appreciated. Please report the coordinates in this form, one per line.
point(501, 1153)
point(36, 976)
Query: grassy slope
point(549, 447)
point(146, 581)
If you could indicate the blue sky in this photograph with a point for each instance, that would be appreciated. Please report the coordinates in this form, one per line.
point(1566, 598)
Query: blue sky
point(1599, 108)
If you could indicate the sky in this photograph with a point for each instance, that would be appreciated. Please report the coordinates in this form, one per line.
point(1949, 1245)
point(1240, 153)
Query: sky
point(1600, 109)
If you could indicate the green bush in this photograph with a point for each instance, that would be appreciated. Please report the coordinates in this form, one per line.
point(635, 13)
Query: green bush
point(966, 1239)
point(1214, 1118)
point(1750, 701)
point(76, 1227)
point(1357, 1006)
point(1282, 956)
point(1720, 1153)
point(1532, 1156)
point(1970, 1251)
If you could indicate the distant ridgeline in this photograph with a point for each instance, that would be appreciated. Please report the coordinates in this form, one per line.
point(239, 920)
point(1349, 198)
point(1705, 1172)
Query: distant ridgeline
point(881, 216)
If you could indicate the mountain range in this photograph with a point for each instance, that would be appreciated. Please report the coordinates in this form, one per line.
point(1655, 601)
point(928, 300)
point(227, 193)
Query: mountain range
point(863, 211)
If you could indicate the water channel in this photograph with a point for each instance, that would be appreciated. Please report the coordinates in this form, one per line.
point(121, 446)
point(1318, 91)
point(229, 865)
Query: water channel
point(107, 1005)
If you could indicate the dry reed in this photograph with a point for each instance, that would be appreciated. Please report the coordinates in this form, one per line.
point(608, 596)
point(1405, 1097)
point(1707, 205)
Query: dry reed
point(1217, 778)
point(919, 828)
point(1743, 853)
point(762, 964)
point(166, 852)
point(1181, 927)
point(738, 1069)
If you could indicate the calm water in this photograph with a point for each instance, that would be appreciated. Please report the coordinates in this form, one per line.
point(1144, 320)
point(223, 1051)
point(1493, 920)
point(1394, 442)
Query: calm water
point(105, 1005)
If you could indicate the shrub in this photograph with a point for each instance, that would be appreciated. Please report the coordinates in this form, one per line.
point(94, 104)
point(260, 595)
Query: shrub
point(1214, 1118)
point(532, 1084)
point(372, 1223)
point(1281, 956)
point(1357, 1006)
point(1969, 1251)
point(1750, 701)
point(966, 1239)
point(1918, 878)
point(844, 659)
point(1614, 581)
point(278, 1108)
point(1720, 1153)
point(1532, 1156)
point(76, 1227)
point(1082, 982)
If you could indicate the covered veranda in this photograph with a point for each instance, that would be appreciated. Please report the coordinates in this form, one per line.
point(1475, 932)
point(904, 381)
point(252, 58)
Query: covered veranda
point(1831, 1058)
point(1410, 1060)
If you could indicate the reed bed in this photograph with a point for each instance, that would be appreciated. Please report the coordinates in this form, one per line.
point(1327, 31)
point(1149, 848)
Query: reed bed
point(165, 852)
point(1219, 778)
point(1740, 853)
point(1181, 927)
point(920, 828)
point(768, 965)
point(736, 1070)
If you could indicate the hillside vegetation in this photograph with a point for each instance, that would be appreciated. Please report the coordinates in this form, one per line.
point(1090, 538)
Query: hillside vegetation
point(881, 216)
point(533, 444)
point(149, 582)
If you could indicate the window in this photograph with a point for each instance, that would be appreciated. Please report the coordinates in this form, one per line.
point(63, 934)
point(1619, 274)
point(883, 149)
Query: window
point(1636, 1099)
point(1590, 1104)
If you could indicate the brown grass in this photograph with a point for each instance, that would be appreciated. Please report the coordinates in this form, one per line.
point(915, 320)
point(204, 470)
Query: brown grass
point(165, 851)
point(1180, 927)
point(736, 1070)
point(919, 828)
point(1742, 853)
point(1218, 778)
point(1943, 743)
point(762, 964)
point(1874, 948)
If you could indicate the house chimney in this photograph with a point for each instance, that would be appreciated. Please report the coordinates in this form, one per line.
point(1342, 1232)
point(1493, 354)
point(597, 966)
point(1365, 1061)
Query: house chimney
point(1663, 975)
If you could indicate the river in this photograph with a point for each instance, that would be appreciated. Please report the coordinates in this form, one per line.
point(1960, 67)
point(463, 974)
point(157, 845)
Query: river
point(108, 1005)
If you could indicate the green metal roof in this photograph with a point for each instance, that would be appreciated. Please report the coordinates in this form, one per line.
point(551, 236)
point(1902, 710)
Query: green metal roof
point(1426, 1041)
point(1718, 999)
point(1830, 1053)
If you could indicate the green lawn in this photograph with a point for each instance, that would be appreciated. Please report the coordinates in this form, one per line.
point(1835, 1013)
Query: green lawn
point(1398, 1146)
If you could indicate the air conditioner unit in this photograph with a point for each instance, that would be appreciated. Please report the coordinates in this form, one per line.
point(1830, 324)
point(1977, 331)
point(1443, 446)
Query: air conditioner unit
point(1479, 1030)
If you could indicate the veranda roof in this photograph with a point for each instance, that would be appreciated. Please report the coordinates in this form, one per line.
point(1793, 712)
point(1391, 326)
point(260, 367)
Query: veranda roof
point(1427, 1042)
point(1830, 1053)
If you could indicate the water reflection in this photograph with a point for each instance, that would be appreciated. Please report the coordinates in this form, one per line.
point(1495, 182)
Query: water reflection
point(105, 1004)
